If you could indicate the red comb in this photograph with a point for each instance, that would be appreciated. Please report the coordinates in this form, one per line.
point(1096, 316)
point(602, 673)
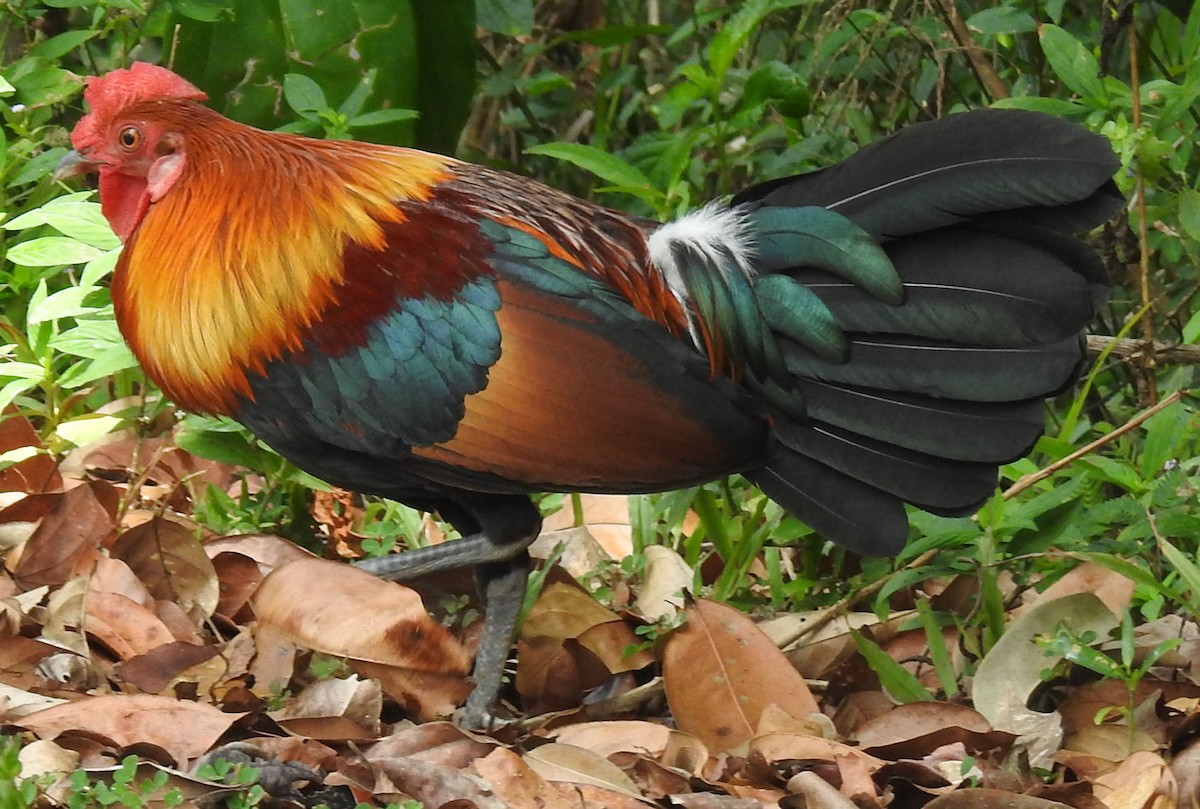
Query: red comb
point(107, 95)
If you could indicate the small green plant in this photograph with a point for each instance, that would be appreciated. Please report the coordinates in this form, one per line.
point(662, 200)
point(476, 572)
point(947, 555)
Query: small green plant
point(324, 667)
point(1080, 650)
point(15, 793)
point(317, 115)
point(125, 790)
point(235, 774)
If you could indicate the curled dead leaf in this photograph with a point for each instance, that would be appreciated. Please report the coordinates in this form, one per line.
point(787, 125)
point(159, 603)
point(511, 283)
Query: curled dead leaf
point(184, 729)
point(171, 562)
point(381, 627)
point(720, 672)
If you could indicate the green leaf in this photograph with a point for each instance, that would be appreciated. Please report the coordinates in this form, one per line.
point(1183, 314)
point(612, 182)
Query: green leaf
point(59, 46)
point(382, 117)
point(82, 221)
point(86, 429)
point(15, 388)
point(1186, 567)
point(509, 17)
point(52, 251)
point(724, 47)
point(1001, 20)
point(899, 683)
point(1073, 63)
point(1053, 106)
point(203, 10)
point(1113, 471)
point(1165, 434)
point(232, 448)
point(64, 303)
point(22, 370)
point(604, 165)
point(1189, 212)
point(303, 94)
point(1191, 329)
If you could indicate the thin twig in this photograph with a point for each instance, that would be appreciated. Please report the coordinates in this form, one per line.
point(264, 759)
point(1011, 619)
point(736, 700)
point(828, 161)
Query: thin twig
point(979, 61)
point(1127, 349)
point(1027, 481)
point(1147, 362)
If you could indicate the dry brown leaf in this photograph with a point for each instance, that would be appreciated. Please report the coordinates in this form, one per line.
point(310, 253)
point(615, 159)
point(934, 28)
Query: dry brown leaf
point(720, 671)
point(360, 701)
point(565, 610)
point(184, 729)
point(554, 675)
point(818, 653)
point(519, 785)
point(154, 671)
point(1141, 781)
point(238, 577)
point(18, 658)
point(990, 799)
point(775, 747)
point(43, 758)
point(666, 581)
point(124, 626)
point(610, 642)
point(1185, 766)
point(606, 517)
point(916, 729)
point(16, 702)
point(436, 742)
point(607, 738)
point(570, 644)
point(857, 785)
point(1109, 741)
point(66, 542)
point(1113, 589)
point(37, 473)
point(66, 613)
point(432, 784)
point(114, 576)
point(685, 753)
point(568, 763)
point(172, 564)
point(337, 609)
point(1012, 669)
point(335, 511)
point(268, 550)
point(578, 551)
point(712, 800)
point(817, 793)
point(381, 627)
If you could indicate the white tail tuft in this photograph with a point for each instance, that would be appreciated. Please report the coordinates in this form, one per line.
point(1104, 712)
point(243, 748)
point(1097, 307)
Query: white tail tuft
point(715, 236)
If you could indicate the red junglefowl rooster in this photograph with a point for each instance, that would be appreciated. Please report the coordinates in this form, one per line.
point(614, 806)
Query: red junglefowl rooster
point(456, 338)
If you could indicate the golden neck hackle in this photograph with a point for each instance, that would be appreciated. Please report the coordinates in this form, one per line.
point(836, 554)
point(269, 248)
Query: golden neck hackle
point(204, 300)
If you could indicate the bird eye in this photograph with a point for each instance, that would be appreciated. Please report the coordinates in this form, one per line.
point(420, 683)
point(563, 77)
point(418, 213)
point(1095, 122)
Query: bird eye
point(129, 138)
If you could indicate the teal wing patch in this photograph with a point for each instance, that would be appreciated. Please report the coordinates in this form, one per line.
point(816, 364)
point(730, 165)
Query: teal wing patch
point(404, 386)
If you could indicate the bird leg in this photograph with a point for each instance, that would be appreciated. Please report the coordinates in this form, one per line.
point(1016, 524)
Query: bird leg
point(502, 528)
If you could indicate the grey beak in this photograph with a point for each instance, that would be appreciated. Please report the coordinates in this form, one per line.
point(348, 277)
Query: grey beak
point(72, 165)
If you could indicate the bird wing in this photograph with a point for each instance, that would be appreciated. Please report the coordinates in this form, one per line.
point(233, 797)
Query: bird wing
point(530, 373)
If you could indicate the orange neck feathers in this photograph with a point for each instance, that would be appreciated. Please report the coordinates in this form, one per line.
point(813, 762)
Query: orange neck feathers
point(204, 299)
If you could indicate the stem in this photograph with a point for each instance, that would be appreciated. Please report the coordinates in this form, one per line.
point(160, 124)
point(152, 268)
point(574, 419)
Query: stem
point(1148, 362)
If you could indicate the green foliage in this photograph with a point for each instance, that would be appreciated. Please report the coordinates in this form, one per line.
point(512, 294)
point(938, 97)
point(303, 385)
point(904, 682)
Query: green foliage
point(390, 56)
point(63, 357)
point(124, 789)
point(14, 792)
point(243, 776)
